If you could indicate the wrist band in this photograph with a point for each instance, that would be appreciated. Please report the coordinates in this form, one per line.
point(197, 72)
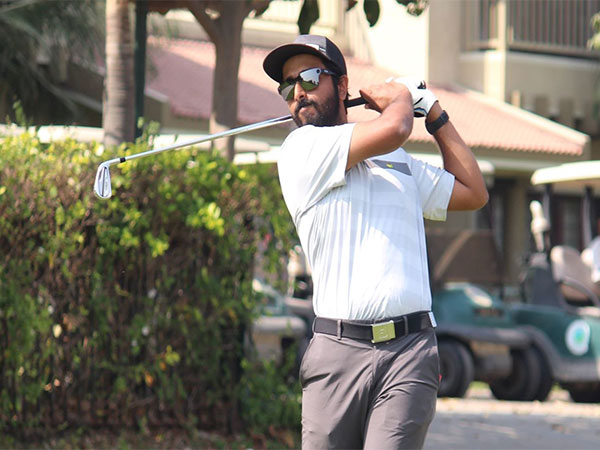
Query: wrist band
point(437, 123)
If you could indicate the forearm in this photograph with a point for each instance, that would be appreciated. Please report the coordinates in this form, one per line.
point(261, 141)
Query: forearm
point(397, 119)
point(388, 131)
point(470, 191)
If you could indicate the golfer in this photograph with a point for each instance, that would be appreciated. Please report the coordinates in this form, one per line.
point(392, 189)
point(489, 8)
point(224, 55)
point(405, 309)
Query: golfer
point(371, 372)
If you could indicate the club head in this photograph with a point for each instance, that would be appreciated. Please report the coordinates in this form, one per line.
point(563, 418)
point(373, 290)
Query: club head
point(102, 187)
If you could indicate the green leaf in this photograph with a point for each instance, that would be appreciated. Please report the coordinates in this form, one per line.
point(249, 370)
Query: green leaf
point(414, 7)
point(261, 9)
point(158, 245)
point(371, 8)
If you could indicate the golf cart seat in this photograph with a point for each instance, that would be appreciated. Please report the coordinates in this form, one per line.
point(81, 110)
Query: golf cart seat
point(573, 277)
point(591, 257)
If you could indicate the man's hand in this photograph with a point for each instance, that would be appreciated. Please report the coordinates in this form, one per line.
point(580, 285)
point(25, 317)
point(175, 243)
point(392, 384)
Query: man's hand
point(423, 98)
point(379, 96)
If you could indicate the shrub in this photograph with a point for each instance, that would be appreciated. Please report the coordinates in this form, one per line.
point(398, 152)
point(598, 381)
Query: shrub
point(132, 310)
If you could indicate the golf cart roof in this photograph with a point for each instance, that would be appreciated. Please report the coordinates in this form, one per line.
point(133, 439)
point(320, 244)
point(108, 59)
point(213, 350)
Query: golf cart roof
point(570, 175)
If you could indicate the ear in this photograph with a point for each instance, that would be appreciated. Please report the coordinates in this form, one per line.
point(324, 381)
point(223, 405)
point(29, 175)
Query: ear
point(343, 87)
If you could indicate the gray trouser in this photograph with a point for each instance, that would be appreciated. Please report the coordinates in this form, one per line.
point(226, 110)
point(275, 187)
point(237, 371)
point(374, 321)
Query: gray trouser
point(356, 394)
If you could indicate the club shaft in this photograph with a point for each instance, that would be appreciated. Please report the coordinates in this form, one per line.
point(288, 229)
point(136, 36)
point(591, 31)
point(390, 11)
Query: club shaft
point(243, 129)
point(102, 186)
point(212, 137)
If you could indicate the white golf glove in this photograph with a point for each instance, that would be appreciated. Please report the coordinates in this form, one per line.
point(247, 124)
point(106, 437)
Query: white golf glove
point(423, 98)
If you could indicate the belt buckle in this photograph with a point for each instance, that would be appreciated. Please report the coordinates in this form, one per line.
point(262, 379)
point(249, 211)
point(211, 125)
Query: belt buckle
point(383, 332)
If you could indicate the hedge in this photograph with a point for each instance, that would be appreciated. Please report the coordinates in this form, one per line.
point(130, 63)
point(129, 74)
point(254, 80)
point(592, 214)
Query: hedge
point(129, 311)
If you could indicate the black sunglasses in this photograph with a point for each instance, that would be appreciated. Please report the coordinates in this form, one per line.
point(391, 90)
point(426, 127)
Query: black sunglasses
point(309, 80)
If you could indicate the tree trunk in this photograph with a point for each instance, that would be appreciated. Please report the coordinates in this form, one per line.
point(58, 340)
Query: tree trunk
point(118, 105)
point(5, 111)
point(228, 48)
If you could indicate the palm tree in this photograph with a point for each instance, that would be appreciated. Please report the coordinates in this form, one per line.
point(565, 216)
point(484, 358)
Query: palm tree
point(37, 38)
point(118, 105)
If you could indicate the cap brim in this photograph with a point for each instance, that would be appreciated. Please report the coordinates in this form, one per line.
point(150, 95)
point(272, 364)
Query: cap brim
point(273, 63)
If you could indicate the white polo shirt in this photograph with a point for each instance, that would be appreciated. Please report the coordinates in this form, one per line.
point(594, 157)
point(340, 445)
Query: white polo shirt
point(362, 230)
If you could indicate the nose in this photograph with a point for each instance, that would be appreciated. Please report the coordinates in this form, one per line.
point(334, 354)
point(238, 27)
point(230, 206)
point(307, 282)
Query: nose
point(299, 92)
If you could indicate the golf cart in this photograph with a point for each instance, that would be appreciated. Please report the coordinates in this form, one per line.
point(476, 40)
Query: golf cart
point(477, 336)
point(300, 289)
point(276, 328)
point(554, 329)
point(561, 288)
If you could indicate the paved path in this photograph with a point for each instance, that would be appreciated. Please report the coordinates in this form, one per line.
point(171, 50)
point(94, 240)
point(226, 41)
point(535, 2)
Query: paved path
point(480, 422)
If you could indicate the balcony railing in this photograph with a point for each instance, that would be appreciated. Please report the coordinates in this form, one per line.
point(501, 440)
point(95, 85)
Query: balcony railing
point(560, 27)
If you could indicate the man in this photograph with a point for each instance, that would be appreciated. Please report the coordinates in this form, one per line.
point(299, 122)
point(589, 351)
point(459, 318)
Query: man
point(371, 372)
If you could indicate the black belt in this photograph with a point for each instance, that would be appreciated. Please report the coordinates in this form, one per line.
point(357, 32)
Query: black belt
point(374, 332)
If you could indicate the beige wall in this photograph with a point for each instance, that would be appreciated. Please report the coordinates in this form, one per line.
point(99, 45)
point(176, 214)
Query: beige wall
point(446, 22)
point(400, 41)
point(483, 72)
point(557, 87)
point(568, 85)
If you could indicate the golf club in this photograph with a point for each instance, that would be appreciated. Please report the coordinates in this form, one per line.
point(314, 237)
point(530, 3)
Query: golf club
point(102, 184)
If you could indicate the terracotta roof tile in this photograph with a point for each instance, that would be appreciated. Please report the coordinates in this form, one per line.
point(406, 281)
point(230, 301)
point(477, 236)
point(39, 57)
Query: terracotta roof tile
point(182, 71)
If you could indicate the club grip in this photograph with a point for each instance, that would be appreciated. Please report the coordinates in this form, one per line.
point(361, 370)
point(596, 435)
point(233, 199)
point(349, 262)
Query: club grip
point(355, 102)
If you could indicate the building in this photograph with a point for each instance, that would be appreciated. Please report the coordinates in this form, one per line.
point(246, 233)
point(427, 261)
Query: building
point(515, 75)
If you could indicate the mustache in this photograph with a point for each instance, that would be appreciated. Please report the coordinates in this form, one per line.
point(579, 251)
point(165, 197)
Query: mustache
point(301, 104)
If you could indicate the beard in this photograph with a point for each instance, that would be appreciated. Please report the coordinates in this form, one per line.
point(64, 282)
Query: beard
point(324, 115)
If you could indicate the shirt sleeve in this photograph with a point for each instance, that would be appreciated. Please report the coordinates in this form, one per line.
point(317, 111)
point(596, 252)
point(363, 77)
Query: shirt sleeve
point(435, 188)
point(312, 161)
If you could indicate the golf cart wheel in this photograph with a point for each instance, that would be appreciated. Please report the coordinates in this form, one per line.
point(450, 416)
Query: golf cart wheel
point(523, 383)
point(456, 367)
point(584, 392)
point(546, 381)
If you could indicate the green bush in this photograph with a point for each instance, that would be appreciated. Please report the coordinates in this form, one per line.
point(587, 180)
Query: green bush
point(132, 310)
point(270, 398)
